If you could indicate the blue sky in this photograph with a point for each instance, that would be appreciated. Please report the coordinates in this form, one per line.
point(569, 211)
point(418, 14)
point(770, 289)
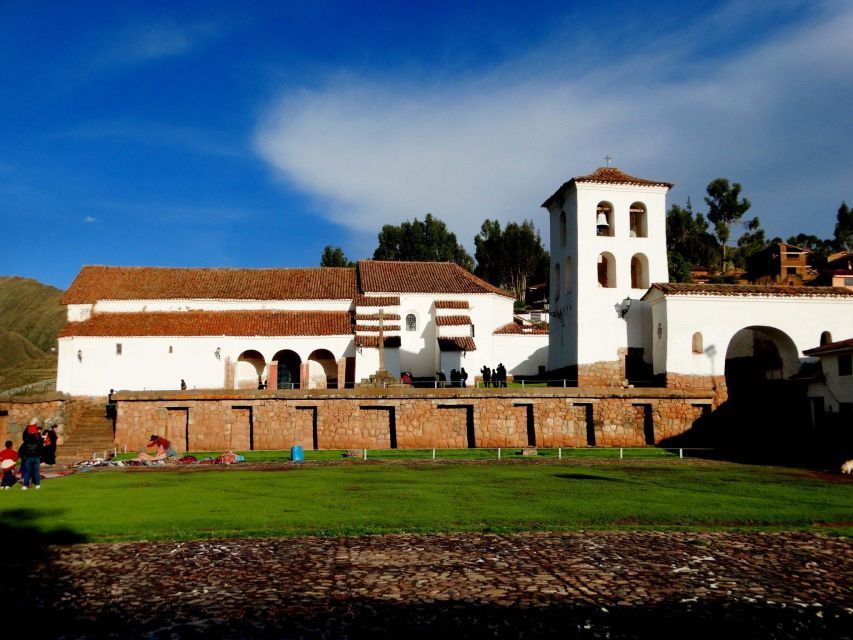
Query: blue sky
point(212, 134)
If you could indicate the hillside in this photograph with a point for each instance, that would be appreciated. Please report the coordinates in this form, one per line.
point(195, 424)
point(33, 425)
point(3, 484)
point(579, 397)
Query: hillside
point(30, 317)
point(31, 309)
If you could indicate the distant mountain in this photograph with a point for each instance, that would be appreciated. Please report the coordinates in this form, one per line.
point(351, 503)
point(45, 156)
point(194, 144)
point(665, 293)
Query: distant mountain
point(31, 309)
point(30, 317)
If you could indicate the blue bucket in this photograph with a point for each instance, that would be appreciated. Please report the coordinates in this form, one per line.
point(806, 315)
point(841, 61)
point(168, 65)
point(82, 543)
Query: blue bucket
point(296, 454)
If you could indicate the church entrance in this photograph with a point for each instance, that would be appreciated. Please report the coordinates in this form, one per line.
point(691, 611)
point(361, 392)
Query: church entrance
point(288, 369)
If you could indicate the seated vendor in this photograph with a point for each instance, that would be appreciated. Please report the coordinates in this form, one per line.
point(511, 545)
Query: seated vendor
point(164, 449)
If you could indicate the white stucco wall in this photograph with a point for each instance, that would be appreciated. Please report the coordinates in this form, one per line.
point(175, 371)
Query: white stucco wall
point(834, 389)
point(592, 329)
point(145, 362)
point(719, 318)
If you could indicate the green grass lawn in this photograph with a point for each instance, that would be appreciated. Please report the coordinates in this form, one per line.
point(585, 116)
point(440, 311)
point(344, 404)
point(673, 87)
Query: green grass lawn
point(109, 505)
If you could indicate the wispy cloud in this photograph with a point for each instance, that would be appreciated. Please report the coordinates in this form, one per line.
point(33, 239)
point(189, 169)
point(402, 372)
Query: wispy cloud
point(90, 219)
point(774, 115)
point(192, 139)
point(173, 212)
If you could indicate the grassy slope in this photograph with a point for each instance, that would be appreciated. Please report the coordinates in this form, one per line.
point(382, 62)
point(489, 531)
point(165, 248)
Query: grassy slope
point(364, 499)
point(31, 309)
point(16, 349)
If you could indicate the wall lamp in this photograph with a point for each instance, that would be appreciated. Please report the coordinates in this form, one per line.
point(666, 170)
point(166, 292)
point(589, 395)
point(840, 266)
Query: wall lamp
point(217, 353)
point(80, 355)
point(622, 307)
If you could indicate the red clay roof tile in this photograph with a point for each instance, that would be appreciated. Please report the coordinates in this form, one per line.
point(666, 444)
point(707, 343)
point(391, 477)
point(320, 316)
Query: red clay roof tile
point(513, 328)
point(840, 345)
point(374, 328)
point(452, 304)
point(377, 301)
point(373, 341)
point(607, 175)
point(456, 343)
point(421, 277)
point(213, 323)
point(452, 321)
point(678, 288)
point(95, 283)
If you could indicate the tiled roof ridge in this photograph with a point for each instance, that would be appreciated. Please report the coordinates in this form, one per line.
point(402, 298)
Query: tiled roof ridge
point(675, 288)
point(212, 323)
point(838, 345)
point(607, 175)
point(513, 328)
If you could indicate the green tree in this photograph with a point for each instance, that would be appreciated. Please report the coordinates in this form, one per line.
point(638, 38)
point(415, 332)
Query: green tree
point(679, 268)
point(724, 209)
point(428, 241)
point(752, 240)
point(687, 238)
point(844, 228)
point(334, 257)
point(512, 257)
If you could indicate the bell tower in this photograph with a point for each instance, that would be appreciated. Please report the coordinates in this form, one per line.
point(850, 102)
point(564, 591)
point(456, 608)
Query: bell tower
point(608, 245)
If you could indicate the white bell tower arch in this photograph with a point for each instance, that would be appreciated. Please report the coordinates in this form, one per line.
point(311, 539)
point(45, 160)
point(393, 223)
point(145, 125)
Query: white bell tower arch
point(608, 245)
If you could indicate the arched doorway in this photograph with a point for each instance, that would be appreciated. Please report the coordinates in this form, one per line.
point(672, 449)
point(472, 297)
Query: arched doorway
point(757, 356)
point(288, 369)
point(250, 369)
point(322, 370)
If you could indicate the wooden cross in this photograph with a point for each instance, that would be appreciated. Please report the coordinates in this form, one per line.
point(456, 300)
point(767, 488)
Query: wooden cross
point(607, 159)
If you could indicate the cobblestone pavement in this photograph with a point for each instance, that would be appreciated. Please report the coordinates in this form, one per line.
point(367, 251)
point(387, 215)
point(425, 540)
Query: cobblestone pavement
point(586, 585)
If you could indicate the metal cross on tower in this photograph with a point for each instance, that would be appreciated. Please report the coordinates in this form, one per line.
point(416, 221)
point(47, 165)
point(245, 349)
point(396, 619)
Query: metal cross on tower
point(607, 159)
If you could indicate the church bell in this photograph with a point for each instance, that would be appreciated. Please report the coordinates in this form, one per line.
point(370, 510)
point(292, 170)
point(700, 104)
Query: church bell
point(601, 220)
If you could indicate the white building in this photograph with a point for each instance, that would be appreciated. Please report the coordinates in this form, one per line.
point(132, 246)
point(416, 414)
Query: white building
point(137, 328)
point(832, 391)
point(615, 316)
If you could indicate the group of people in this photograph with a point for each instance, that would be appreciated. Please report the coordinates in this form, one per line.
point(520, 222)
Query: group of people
point(457, 378)
point(494, 377)
point(37, 448)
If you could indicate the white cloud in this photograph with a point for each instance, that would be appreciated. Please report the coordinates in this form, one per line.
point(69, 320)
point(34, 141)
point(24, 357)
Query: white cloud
point(774, 116)
point(90, 219)
point(146, 42)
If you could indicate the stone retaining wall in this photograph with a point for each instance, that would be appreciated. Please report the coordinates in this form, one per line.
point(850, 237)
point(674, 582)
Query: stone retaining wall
point(48, 408)
point(409, 418)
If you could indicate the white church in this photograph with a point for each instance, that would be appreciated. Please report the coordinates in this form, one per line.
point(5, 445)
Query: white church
point(614, 317)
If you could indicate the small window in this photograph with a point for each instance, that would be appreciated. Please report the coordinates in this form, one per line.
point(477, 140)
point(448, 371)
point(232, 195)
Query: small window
point(697, 343)
point(118, 348)
point(848, 282)
point(472, 331)
point(825, 338)
point(411, 322)
point(792, 271)
point(845, 364)
point(170, 348)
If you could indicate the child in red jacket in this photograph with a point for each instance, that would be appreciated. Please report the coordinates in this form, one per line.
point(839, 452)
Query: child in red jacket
point(8, 459)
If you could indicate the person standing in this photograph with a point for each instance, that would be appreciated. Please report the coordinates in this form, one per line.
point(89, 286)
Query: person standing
point(463, 377)
point(487, 376)
point(30, 452)
point(183, 385)
point(49, 438)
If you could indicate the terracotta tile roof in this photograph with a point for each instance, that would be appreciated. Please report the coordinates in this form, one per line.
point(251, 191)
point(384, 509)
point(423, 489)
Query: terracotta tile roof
point(375, 316)
point(373, 341)
point(513, 328)
point(452, 321)
point(677, 288)
point(841, 345)
point(452, 304)
point(95, 283)
point(374, 328)
point(377, 301)
point(457, 343)
point(421, 277)
point(213, 323)
point(607, 175)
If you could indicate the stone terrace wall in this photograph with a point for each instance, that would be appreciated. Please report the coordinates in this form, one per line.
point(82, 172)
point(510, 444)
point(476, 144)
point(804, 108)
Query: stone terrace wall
point(48, 408)
point(408, 418)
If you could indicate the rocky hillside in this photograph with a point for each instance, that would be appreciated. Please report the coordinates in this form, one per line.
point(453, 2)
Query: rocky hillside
point(30, 317)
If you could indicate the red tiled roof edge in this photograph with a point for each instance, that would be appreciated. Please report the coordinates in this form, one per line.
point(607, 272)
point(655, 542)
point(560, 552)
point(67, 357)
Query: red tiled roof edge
point(374, 328)
point(456, 343)
point(679, 288)
point(377, 301)
point(452, 304)
point(452, 321)
point(513, 328)
point(212, 323)
point(840, 345)
point(375, 316)
point(607, 175)
point(95, 283)
point(373, 341)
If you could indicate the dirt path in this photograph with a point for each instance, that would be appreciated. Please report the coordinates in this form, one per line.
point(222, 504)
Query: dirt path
point(588, 585)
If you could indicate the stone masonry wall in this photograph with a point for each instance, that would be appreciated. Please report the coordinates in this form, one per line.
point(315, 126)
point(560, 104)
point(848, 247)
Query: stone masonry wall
point(48, 408)
point(689, 382)
point(409, 418)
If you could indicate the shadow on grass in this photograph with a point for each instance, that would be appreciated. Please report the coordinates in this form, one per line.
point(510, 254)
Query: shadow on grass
point(32, 582)
point(584, 476)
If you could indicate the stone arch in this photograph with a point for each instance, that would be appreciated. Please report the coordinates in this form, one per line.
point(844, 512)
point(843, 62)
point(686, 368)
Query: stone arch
point(696, 343)
point(289, 365)
point(606, 270)
point(825, 338)
point(604, 214)
point(250, 368)
point(639, 271)
point(562, 228)
point(638, 221)
point(322, 370)
point(759, 354)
